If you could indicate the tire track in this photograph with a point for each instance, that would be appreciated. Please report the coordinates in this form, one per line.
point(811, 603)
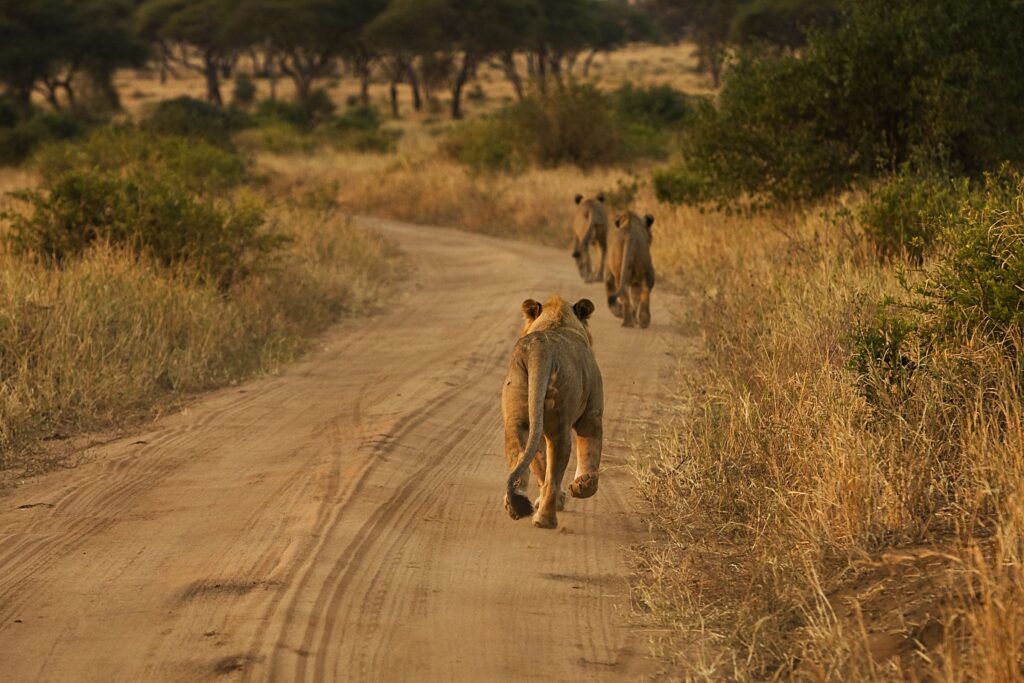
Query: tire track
point(343, 520)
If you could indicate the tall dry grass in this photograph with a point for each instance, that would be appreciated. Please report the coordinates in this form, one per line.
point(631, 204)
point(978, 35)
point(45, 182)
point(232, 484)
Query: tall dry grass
point(536, 206)
point(800, 531)
point(112, 336)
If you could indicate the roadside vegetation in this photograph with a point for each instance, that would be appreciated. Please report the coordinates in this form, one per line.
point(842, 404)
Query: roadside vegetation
point(144, 264)
point(835, 493)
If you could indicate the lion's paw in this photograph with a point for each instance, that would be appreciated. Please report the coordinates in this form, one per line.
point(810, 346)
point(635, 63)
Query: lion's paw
point(584, 486)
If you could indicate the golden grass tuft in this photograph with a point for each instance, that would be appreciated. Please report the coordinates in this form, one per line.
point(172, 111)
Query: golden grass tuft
point(111, 337)
point(800, 531)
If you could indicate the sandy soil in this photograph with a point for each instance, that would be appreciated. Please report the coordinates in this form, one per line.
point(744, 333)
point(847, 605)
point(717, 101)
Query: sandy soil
point(343, 520)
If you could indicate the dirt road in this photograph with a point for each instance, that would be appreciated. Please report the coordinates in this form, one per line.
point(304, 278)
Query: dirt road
point(343, 520)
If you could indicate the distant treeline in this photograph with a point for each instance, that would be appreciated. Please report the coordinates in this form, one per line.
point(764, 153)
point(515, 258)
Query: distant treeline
point(68, 50)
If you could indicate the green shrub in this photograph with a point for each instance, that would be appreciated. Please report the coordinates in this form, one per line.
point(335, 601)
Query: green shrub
point(380, 141)
point(358, 129)
point(18, 142)
point(8, 112)
point(191, 118)
point(244, 93)
point(972, 288)
point(484, 144)
point(198, 165)
point(897, 80)
point(358, 117)
point(904, 214)
point(568, 124)
point(317, 109)
point(679, 184)
point(880, 355)
point(657, 106)
point(157, 217)
point(976, 286)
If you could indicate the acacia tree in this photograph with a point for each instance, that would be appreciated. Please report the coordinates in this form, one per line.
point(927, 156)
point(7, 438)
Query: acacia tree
point(707, 22)
point(564, 29)
point(616, 25)
point(405, 31)
point(201, 26)
point(45, 44)
point(479, 29)
point(308, 36)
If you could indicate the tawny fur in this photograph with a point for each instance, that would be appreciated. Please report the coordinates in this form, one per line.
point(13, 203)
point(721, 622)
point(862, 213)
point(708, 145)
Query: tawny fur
point(590, 228)
point(553, 388)
point(630, 275)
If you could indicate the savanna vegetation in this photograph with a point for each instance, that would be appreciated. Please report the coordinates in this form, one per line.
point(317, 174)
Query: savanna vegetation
point(836, 491)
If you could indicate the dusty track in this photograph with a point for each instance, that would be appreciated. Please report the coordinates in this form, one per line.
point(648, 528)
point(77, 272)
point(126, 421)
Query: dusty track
point(343, 521)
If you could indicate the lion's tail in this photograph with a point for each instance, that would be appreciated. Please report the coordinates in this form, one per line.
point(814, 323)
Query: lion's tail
point(627, 256)
point(538, 370)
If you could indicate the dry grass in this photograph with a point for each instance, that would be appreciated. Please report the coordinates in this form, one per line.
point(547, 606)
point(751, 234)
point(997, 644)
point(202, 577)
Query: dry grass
point(112, 337)
point(536, 206)
point(800, 531)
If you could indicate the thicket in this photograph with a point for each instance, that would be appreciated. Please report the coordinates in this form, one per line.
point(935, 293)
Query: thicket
point(573, 123)
point(20, 137)
point(143, 267)
point(157, 196)
point(895, 83)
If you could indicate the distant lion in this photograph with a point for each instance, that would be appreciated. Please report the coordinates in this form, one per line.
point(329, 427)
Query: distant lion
point(630, 276)
point(589, 227)
point(553, 388)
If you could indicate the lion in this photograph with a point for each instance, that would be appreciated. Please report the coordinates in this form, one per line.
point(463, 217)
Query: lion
point(553, 388)
point(630, 268)
point(589, 227)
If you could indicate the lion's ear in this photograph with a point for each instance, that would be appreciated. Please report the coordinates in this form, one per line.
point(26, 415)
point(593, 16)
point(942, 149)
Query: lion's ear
point(600, 197)
point(531, 309)
point(583, 309)
point(650, 220)
point(579, 198)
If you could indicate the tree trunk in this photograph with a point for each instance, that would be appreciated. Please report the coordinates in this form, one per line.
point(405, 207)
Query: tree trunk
point(51, 94)
point(587, 62)
point(508, 61)
point(460, 81)
point(212, 79)
point(414, 84)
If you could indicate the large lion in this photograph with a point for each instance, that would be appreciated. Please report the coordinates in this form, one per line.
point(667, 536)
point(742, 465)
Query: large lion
point(589, 227)
point(630, 276)
point(553, 388)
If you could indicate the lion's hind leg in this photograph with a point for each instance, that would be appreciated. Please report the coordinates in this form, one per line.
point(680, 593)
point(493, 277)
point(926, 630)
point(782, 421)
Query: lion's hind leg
point(589, 433)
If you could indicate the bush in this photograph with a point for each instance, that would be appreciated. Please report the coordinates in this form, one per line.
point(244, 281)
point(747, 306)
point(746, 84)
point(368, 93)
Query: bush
point(157, 217)
point(976, 287)
point(317, 109)
point(904, 214)
point(245, 90)
point(896, 81)
point(358, 129)
point(484, 144)
point(358, 117)
point(657, 106)
point(191, 118)
point(568, 124)
point(973, 289)
point(19, 141)
point(198, 165)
